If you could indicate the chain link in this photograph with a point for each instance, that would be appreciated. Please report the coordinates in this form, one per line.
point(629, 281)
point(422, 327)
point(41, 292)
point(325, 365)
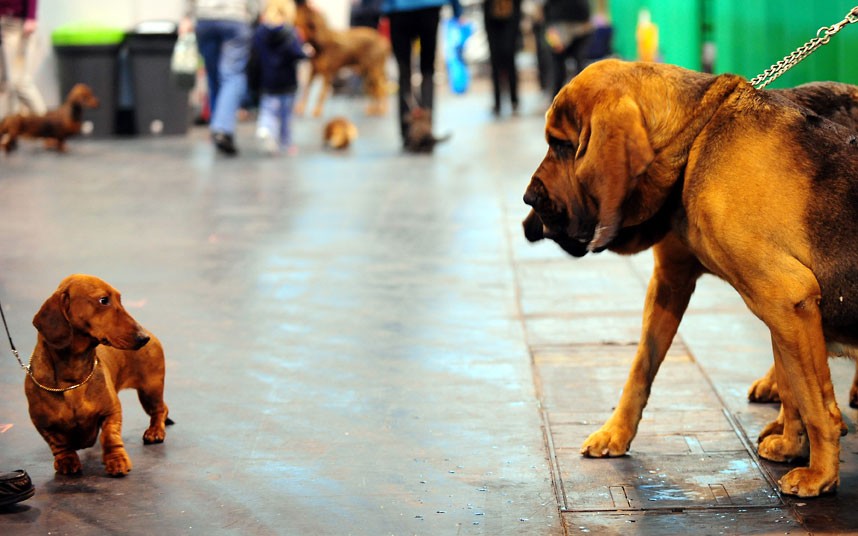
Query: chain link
point(823, 36)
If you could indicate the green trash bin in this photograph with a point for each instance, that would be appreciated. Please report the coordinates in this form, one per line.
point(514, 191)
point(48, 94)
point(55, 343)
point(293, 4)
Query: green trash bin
point(88, 53)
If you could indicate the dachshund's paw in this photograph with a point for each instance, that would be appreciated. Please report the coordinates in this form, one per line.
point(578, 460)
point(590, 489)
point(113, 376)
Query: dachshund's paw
point(154, 434)
point(607, 442)
point(853, 396)
point(67, 464)
point(764, 390)
point(807, 482)
point(117, 463)
point(781, 448)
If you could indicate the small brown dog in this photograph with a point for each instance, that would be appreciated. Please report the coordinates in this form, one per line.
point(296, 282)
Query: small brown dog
point(89, 348)
point(55, 126)
point(339, 133)
point(364, 49)
point(419, 137)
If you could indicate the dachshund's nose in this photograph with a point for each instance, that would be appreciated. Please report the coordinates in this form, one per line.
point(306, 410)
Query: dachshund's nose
point(140, 341)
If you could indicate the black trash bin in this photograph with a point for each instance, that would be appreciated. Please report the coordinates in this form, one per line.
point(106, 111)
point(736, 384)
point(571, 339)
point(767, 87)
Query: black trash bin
point(160, 105)
point(88, 53)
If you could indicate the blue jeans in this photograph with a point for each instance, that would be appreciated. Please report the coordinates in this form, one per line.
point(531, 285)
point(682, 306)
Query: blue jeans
point(225, 48)
point(275, 117)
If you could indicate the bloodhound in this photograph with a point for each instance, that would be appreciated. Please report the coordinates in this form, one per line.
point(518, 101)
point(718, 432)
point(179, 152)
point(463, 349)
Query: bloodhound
point(716, 177)
point(88, 349)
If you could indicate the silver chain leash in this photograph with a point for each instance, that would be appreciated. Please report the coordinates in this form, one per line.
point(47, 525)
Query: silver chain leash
point(823, 36)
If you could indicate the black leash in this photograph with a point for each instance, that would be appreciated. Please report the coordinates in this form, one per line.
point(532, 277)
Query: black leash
point(12, 344)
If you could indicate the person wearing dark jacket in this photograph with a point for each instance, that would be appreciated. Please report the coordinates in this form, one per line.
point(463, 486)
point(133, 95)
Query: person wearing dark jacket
point(567, 30)
point(272, 71)
point(503, 20)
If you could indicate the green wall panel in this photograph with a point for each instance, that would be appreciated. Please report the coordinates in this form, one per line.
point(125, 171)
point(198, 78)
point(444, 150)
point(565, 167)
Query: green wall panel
point(749, 35)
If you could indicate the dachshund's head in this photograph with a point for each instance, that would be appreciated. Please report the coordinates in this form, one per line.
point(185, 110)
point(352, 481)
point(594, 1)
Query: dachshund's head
point(85, 309)
point(81, 95)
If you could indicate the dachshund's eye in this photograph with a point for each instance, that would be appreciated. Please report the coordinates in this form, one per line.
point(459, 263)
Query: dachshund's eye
point(104, 300)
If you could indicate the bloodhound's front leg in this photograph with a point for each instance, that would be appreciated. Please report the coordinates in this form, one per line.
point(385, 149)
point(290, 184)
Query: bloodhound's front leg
point(671, 285)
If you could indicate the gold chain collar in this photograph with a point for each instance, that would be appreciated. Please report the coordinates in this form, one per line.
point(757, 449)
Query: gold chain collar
point(29, 369)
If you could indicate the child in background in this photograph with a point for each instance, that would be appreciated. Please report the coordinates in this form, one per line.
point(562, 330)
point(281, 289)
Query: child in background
point(272, 71)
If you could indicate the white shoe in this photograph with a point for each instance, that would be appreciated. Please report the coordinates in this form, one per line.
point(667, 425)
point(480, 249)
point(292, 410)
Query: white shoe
point(267, 143)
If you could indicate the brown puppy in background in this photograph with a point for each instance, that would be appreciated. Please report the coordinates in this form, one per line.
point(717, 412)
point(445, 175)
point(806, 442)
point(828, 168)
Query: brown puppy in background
point(89, 348)
point(55, 126)
point(716, 177)
point(339, 133)
point(364, 49)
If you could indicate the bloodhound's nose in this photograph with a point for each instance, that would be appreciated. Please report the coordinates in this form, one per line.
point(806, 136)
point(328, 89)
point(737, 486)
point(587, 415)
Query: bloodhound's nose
point(536, 193)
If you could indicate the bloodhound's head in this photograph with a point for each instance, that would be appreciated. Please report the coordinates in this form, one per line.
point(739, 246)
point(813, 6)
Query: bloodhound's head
point(597, 148)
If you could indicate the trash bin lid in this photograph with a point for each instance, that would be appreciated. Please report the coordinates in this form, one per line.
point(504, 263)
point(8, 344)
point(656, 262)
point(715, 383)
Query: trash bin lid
point(159, 27)
point(87, 34)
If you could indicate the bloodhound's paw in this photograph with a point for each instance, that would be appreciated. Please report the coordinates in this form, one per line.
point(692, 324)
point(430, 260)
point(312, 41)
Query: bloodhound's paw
point(765, 389)
point(807, 482)
point(775, 427)
point(853, 396)
point(67, 463)
point(117, 463)
point(781, 448)
point(607, 442)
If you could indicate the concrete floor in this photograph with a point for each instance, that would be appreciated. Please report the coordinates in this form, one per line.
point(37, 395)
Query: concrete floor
point(364, 343)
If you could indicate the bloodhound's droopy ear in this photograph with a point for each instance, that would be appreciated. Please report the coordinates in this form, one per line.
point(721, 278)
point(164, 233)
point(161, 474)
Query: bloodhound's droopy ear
point(52, 322)
point(617, 151)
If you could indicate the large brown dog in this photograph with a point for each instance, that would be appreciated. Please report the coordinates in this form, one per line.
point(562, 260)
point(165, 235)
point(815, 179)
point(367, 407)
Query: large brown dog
point(717, 177)
point(89, 348)
point(364, 49)
point(55, 126)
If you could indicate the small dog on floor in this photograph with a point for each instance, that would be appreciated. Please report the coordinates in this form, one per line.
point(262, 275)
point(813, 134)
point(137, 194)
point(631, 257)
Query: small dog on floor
point(339, 133)
point(55, 126)
point(419, 137)
point(89, 348)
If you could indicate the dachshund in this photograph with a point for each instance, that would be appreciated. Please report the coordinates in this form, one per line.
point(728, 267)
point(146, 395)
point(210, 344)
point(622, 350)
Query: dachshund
point(88, 348)
point(55, 126)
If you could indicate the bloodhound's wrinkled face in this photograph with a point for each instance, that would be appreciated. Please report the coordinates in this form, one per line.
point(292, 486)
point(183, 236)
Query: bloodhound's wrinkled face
point(597, 148)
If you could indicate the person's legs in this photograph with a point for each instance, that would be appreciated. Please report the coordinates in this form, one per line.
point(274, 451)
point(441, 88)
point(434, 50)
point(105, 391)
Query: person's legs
point(267, 122)
point(510, 44)
point(427, 32)
point(558, 72)
point(234, 53)
point(209, 44)
point(287, 103)
point(494, 36)
point(20, 55)
point(401, 40)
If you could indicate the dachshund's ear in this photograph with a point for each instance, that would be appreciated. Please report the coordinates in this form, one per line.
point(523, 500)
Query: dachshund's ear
point(52, 321)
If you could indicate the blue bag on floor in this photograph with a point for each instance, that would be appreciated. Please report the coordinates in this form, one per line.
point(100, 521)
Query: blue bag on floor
point(455, 35)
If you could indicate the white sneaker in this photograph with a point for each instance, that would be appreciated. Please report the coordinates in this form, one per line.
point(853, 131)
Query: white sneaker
point(267, 143)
